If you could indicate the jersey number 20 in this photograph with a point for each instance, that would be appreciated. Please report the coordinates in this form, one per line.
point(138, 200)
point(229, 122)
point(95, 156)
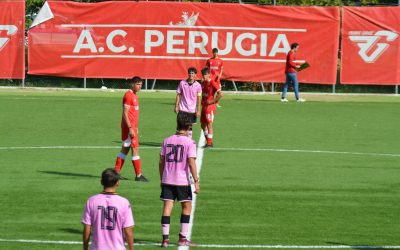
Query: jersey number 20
point(175, 153)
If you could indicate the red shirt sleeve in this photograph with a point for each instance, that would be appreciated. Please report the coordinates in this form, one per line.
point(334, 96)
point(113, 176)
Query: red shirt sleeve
point(291, 59)
point(127, 99)
point(208, 63)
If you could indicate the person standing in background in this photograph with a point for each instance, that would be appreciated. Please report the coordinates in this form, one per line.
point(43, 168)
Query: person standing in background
point(291, 74)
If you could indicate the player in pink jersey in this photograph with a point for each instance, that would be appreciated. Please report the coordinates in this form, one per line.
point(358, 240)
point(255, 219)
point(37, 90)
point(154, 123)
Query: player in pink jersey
point(129, 129)
point(211, 95)
point(177, 159)
point(108, 217)
point(188, 97)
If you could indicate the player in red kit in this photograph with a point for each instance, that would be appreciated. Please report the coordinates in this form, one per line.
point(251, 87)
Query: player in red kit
point(216, 65)
point(211, 95)
point(129, 129)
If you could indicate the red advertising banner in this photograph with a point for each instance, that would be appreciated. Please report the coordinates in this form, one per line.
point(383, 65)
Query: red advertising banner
point(12, 39)
point(370, 45)
point(162, 39)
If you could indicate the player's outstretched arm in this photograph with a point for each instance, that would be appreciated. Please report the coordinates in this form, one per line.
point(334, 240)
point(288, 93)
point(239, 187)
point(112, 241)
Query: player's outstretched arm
point(86, 236)
point(128, 231)
point(193, 171)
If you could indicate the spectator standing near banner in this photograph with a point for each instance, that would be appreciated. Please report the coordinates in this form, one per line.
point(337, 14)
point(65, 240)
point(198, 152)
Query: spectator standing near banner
point(291, 74)
point(188, 97)
point(177, 161)
point(129, 129)
point(108, 217)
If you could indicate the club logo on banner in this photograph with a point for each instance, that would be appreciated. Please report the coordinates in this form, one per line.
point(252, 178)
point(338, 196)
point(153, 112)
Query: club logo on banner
point(11, 30)
point(371, 42)
point(187, 21)
point(174, 36)
point(12, 39)
point(370, 45)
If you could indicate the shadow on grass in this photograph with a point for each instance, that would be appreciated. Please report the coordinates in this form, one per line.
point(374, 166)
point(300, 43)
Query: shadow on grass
point(69, 174)
point(358, 246)
point(77, 175)
point(71, 230)
point(148, 144)
point(151, 144)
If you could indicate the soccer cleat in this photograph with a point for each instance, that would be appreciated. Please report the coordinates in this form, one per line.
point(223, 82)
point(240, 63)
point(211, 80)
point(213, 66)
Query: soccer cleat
point(185, 242)
point(301, 100)
point(123, 178)
point(141, 178)
point(165, 243)
point(284, 100)
point(208, 146)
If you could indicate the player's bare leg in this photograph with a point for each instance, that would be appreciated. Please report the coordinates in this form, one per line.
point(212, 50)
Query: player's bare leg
point(210, 134)
point(166, 221)
point(205, 130)
point(185, 221)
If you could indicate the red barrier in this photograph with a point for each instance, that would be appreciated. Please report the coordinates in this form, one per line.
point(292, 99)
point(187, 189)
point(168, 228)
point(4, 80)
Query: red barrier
point(161, 40)
point(370, 45)
point(12, 39)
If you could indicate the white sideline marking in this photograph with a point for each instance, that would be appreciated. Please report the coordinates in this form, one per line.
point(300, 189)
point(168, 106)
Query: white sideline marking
point(221, 149)
point(199, 162)
point(306, 151)
point(62, 242)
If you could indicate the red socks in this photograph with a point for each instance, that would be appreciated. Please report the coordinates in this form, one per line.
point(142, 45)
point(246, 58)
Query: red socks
point(209, 139)
point(136, 165)
point(119, 162)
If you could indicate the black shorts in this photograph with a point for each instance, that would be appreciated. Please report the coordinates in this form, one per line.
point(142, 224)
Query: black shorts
point(179, 193)
point(193, 118)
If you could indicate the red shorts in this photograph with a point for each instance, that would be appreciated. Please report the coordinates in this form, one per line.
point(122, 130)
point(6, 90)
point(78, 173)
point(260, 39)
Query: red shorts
point(127, 141)
point(207, 114)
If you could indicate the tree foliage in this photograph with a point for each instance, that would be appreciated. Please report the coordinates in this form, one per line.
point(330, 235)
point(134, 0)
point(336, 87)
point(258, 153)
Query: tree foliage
point(33, 6)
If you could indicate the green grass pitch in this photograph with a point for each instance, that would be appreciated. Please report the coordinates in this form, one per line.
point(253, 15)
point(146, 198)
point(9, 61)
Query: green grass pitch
point(321, 173)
